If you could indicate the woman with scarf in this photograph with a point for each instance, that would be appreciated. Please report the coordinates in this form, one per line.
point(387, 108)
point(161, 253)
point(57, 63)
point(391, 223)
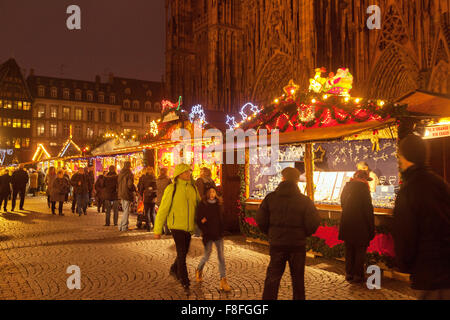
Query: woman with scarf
point(357, 227)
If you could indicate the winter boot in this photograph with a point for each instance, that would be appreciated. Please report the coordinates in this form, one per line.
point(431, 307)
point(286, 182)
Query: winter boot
point(224, 285)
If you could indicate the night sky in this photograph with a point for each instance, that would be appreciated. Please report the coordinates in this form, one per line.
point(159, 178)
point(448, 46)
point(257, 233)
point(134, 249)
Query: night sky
point(125, 37)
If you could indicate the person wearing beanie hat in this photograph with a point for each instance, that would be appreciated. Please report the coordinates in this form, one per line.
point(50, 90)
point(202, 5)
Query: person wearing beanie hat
point(412, 150)
point(422, 223)
point(126, 191)
point(357, 225)
point(288, 217)
point(178, 207)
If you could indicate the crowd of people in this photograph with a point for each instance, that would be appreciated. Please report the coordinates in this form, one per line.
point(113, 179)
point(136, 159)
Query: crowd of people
point(182, 207)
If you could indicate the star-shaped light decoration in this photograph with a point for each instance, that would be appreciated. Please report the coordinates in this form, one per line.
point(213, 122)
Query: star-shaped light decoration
point(198, 115)
point(154, 128)
point(290, 90)
point(319, 154)
point(231, 122)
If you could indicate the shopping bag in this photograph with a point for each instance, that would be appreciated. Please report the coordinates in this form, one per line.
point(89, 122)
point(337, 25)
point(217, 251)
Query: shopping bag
point(140, 208)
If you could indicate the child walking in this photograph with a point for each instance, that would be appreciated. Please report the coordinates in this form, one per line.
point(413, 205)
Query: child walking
point(210, 221)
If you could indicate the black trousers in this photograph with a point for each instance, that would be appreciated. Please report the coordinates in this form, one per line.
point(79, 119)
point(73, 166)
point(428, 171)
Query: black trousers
point(355, 256)
point(182, 242)
point(149, 209)
point(60, 208)
point(21, 193)
point(74, 201)
point(4, 200)
point(275, 271)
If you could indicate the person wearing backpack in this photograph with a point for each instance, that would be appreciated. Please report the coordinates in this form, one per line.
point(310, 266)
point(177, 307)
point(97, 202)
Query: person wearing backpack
point(178, 208)
point(147, 189)
point(210, 220)
point(422, 223)
point(287, 217)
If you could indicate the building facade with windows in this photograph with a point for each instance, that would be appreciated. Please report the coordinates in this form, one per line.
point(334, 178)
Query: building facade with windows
point(91, 108)
point(15, 114)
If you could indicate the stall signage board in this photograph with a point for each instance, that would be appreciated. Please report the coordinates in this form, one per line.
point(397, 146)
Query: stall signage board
point(437, 132)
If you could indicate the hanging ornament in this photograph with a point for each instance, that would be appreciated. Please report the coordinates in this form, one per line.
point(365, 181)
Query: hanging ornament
point(245, 112)
point(231, 122)
point(197, 115)
point(306, 113)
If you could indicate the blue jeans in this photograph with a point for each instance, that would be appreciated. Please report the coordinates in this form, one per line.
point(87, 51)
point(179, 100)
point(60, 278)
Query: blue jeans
point(123, 226)
point(82, 203)
point(208, 249)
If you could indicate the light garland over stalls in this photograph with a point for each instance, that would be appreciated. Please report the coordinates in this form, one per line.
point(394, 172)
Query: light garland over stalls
point(40, 148)
point(327, 102)
point(154, 128)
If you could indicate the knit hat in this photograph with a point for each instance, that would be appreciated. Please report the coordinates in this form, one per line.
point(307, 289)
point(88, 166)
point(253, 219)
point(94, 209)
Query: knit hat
point(362, 174)
point(181, 168)
point(291, 174)
point(413, 149)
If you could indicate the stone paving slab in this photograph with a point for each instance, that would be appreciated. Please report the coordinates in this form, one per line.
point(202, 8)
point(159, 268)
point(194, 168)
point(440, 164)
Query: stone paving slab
point(36, 248)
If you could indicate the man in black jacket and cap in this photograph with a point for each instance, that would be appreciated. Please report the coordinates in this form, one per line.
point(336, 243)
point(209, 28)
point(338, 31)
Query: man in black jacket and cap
point(422, 223)
point(287, 217)
point(19, 183)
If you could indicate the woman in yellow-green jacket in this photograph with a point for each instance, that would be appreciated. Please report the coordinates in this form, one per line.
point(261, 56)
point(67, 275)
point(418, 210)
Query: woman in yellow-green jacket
point(178, 207)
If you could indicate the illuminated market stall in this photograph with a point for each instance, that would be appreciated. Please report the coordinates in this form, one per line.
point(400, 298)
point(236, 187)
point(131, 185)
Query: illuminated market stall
point(325, 133)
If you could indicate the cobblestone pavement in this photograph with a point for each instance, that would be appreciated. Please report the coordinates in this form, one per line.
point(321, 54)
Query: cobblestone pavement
point(36, 248)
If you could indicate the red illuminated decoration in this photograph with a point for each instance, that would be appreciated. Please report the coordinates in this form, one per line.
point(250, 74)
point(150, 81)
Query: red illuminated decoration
point(326, 103)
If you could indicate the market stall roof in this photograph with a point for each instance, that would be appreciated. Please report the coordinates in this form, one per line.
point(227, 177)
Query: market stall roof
point(427, 103)
point(332, 133)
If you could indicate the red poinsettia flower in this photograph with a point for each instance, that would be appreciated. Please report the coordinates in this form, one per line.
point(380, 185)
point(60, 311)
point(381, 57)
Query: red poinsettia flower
point(251, 221)
point(382, 244)
point(329, 234)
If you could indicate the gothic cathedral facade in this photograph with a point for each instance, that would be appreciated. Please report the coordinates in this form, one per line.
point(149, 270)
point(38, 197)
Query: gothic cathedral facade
point(223, 53)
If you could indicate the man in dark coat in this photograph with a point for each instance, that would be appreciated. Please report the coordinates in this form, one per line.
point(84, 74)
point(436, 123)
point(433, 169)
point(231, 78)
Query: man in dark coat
point(100, 192)
point(5, 189)
point(91, 180)
point(287, 217)
point(357, 227)
point(110, 185)
point(422, 223)
point(147, 189)
point(126, 193)
point(19, 182)
point(80, 182)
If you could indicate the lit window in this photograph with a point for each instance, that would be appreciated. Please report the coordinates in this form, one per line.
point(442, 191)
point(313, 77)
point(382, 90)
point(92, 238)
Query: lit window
point(25, 142)
point(26, 123)
point(8, 105)
point(17, 123)
point(19, 105)
point(78, 114)
point(53, 144)
point(26, 106)
point(41, 112)
point(90, 133)
point(53, 130)
point(40, 129)
point(54, 92)
point(54, 112)
point(66, 113)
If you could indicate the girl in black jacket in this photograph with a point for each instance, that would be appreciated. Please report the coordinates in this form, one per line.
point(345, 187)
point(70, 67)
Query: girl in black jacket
point(210, 221)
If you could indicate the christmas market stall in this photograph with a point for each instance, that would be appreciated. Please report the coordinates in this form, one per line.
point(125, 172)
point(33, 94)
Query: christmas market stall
point(326, 133)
